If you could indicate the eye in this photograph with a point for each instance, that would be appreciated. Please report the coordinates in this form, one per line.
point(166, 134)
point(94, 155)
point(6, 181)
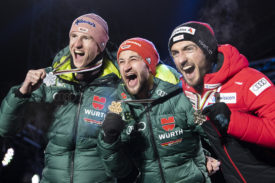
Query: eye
point(133, 59)
point(190, 48)
point(86, 38)
point(73, 35)
point(174, 53)
point(121, 61)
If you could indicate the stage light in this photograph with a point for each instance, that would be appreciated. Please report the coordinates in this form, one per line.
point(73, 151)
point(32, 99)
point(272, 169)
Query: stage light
point(35, 178)
point(8, 157)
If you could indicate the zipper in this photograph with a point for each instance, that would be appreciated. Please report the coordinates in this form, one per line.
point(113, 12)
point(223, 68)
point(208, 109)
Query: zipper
point(154, 143)
point(74, 136)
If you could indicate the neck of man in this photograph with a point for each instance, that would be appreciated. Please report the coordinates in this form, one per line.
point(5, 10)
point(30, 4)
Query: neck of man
point(90, 75)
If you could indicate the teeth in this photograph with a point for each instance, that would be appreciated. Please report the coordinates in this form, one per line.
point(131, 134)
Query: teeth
point(187, 67)
point(78, 52)
point(129, 74)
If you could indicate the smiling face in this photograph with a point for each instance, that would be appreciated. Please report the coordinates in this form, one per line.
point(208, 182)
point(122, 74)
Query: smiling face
point(191, 62)
point(83, 49)
point(135, 73)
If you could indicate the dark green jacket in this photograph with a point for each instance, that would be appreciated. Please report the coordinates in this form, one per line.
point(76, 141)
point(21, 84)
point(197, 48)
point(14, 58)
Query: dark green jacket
point(78, 110)
point(159, 138)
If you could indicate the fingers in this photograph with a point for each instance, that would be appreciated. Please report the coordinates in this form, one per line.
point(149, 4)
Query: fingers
point(36, 75)
point(212, 165)
point(32, 81)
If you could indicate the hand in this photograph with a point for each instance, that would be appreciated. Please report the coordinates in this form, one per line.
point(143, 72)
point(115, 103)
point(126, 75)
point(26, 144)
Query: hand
point(112, 127)
point(212, 165)
point(219, 114)
point(32, 81)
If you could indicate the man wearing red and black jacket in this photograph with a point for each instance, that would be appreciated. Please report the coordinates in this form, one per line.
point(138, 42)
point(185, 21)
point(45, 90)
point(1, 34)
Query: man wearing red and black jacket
point(238, 101)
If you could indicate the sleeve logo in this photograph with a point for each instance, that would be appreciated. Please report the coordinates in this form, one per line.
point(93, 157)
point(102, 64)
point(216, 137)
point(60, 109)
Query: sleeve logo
point(258, 87)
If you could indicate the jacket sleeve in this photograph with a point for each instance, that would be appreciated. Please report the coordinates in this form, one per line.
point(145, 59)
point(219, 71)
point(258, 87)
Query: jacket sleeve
point(12, 111)
point(255, 121)
point(116, 162)
point(200, 161)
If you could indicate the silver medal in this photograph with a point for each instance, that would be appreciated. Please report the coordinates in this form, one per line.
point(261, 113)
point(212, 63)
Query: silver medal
point(50, 79)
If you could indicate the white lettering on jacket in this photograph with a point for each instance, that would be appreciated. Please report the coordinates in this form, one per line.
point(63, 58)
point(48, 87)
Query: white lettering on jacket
point(171, 134)
point(260, 85)
point(94, 113)
point(229, 98)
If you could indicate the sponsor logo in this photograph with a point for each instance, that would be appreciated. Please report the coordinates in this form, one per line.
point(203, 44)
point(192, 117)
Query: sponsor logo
point(258, 87)
point(174, 142)
point(193, 98)
point(132, 42)
point(239, 83)
point(212, 86)
point(125, 46)
point(184, 29)
point(94, 113)
point(148, 60)
point(123, 95)
point(205, 47)
point(98, 102)
point(177, 38)
point(64, 97)
point(78, 21)
point(93, 121)
point(168, 124)
point(140, 127)
point(171, 134)
point(229, 98)
point(83, 29)
point(161, 93)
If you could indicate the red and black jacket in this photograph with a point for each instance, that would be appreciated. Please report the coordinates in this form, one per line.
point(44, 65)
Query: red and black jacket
point(248, 151)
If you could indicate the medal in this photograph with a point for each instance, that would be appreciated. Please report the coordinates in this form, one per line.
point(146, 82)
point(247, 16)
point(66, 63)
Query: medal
point(115, 107)
point(50, 79)
point(199, 118)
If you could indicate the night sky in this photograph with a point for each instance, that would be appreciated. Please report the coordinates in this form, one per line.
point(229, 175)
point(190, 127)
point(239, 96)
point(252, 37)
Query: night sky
point(32, 31)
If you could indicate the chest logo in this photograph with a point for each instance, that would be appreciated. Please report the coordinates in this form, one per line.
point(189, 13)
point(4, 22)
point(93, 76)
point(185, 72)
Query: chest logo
point(168, 124)
point(98, 102)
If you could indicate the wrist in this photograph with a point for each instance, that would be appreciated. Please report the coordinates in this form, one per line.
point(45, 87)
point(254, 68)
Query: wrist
point(19, 94)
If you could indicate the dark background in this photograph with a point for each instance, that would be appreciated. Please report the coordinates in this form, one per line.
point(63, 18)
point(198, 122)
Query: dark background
point(33, 31)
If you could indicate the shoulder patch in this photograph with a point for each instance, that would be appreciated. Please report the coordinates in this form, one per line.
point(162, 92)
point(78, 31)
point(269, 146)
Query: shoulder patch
point(259, 86)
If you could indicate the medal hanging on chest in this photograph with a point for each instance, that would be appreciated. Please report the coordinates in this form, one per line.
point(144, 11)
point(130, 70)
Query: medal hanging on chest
point(199, 118)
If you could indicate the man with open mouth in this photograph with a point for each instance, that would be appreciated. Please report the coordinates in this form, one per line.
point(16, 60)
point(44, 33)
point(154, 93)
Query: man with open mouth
point(75, 91)
point(238, 101)
point(151, 128)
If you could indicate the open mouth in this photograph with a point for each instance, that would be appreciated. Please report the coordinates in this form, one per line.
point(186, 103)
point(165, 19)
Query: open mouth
point(188, 69)
point(78, 54)
point(131, 79)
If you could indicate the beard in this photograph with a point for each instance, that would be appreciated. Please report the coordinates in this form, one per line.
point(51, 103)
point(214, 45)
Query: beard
point(142, 91)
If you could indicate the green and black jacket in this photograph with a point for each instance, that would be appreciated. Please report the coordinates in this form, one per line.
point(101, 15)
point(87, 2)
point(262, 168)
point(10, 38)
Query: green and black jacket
point(77, 111)
point(160, 139)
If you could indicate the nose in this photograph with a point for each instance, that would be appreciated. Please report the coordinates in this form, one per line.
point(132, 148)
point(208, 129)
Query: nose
point(182, 58)
point(127, 67)
point(78, 43)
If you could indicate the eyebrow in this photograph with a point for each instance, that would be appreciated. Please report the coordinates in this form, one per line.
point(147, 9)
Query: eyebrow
point(184, 47)
point(134, 56)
